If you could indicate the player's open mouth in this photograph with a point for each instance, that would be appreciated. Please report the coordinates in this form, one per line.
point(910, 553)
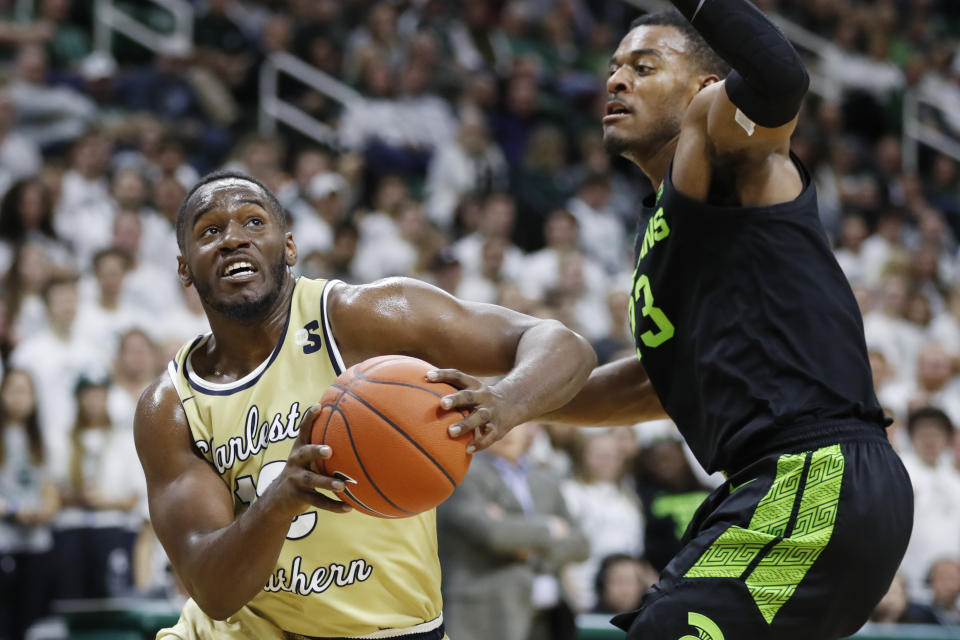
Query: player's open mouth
point(615, 111)
point(239, 270)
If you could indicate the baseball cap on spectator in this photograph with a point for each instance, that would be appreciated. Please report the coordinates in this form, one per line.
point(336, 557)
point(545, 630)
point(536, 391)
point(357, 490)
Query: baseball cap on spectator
point(325, 184)
point(91, 380)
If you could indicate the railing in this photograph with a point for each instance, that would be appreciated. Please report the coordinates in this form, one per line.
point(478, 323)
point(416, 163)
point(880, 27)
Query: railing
point(108, 18)
point(274, 109)
point(917, 130)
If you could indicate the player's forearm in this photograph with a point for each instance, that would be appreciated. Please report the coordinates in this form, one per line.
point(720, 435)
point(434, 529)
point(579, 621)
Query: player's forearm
point(769, 81)
point(551, 365)
point(616, 394)
point(226, 568)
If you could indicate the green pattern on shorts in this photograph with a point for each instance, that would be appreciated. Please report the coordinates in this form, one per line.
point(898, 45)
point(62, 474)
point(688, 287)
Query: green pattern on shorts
point(779, 572)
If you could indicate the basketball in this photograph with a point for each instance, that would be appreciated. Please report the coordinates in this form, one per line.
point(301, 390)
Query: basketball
point(388, 432)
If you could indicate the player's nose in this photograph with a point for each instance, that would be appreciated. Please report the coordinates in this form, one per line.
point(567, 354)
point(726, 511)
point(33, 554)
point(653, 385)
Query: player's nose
point(617, 81)
point(234, 235)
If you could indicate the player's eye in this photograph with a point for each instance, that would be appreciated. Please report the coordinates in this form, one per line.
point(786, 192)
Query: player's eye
point(642, 68)
point(255, 222)
point(209, 231)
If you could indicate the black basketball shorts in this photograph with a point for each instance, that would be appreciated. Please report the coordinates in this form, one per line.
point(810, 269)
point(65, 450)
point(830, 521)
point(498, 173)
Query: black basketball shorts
point(796, 546)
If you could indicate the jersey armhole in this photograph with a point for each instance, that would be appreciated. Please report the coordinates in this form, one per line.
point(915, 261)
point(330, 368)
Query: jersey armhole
point(335, 358)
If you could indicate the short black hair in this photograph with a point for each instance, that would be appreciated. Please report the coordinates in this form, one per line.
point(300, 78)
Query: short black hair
point(224, 174)
point(929, 413)
point(701, 54)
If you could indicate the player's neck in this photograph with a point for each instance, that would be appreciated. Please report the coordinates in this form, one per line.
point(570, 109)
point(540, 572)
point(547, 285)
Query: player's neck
point(238, 347)
point(655, 164)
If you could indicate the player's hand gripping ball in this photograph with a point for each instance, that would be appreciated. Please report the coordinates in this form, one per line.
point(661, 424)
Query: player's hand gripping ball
point(388, 432)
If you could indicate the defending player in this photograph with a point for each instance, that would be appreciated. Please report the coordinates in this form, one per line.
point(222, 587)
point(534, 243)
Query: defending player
point(751, 339)
point(224, 438)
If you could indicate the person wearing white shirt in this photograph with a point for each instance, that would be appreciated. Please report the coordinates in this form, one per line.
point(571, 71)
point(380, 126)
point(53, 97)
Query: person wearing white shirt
point(931, 386)
point(886, 329)
point(55, 358)
point(133, 369)
point(85, 213)
point(102, 317)
point(597, 496)
point(497, 219)
point(936, 486)
point(470, 164)
point(602, 234)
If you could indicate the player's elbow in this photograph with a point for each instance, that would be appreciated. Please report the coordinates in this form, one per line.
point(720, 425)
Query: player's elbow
point(214, 607)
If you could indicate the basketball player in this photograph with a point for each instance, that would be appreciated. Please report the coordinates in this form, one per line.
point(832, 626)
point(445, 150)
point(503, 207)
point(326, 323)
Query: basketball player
point(224, 439)
point(750, 337)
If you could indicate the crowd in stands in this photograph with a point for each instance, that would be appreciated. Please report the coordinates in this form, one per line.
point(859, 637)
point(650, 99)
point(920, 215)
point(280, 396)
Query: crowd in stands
point(474, 161)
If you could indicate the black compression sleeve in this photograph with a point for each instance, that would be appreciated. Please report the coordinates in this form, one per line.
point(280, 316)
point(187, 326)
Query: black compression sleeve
point(768, 80)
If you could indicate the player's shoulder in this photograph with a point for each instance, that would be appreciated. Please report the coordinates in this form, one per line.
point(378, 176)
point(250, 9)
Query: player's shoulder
point(380, 296)
point(158, 410)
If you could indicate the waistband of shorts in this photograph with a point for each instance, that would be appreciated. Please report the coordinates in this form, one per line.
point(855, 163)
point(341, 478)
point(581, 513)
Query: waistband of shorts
point(431, 630)
point(806, 437)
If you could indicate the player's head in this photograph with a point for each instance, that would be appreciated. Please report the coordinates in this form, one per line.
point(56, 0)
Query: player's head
point(235, 244)
point(657, 69)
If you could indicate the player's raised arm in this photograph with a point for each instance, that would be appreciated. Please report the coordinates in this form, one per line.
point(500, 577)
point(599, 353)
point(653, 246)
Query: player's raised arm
point(222, 562)
point(544, 364)
point(762, 94)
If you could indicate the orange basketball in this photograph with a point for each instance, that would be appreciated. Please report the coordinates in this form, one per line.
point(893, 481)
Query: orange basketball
point(388, 432)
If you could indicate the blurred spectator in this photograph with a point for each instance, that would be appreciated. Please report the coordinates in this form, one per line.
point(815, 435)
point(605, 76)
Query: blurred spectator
point(69, 43)
point(28, 503)
point(932, 385)
point(26, 214)
point(85, 212)
point(101, 315)
point(23, 289)
point(101, 494)
point(596, 494)
point(19, 155)
point(621, 582)
point(897, 606)
point(321, 208)
point(602, 235)
point(670, 494)
point(944, 582)
point(46, 114)
point(497, 219)
point(470, 164)
point(936, 487)
point(504, 535)
point(134, 367)
point(56, 357)
point(539, 184)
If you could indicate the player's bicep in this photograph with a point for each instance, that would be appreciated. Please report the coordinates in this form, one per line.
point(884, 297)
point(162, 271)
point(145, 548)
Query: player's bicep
point(185, 495)
point(413, 318)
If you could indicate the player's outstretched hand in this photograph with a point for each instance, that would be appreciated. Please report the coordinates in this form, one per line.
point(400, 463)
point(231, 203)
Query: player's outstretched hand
point(296, 486)
point(488, 416)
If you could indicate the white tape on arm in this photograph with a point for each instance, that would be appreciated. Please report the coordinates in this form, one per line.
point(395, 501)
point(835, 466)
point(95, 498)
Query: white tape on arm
point(748, 125)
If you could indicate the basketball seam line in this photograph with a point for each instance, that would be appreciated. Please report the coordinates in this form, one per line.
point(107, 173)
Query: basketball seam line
point(401, 432)
point(360, 460)
point(405, 384)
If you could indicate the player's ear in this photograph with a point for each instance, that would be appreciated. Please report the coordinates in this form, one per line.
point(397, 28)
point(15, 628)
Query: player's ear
point(183, 272)
point(706, 81)
point(290, 250)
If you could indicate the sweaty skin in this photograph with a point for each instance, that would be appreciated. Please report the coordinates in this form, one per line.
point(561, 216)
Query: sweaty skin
point(236, 251)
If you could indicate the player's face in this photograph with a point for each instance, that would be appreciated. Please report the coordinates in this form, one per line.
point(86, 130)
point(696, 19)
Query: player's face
point(236, 252)
point(649, 87)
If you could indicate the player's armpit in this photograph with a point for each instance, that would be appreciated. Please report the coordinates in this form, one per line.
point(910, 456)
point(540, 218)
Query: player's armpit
point(618, 393)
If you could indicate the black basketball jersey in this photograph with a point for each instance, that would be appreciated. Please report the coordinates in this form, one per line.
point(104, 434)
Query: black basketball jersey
point(746, 325)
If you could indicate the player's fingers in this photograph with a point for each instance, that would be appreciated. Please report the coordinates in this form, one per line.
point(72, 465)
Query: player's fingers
point(484, 437)
point(326, 503)
point(476, 419)
point(308, 453)
point(306, 479)
point(306, 424)
point(452, 377)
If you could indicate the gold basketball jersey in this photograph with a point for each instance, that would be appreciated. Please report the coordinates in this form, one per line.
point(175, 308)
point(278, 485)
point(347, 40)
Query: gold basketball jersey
point(338, 575)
